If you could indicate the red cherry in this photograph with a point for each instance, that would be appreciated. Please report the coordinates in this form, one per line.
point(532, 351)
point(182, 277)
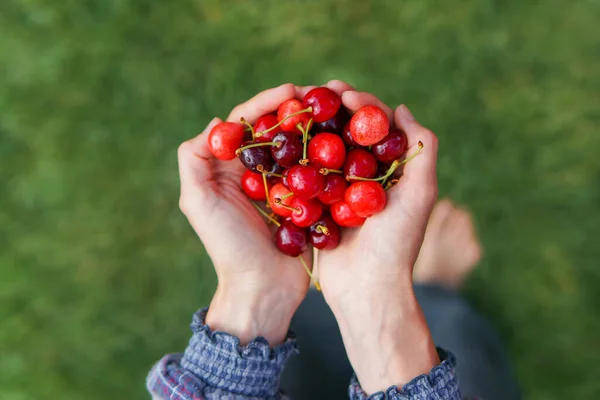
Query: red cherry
point(324, 234)
point(359, 162)
point(307, 212)
point(284, 180)
point(291, 239)
point(344, 216)
point(391, 147)
point(224, 139)
point(290, 150)
point(325, 103)
point(287, 108)
point(347, 136)
point(335, 189)
point(306, 181)
point(333, 125)
point(263, 123)
point(278, 191)
point(366, 198)
point(369, 125)
point(327, 150)
point(253, 185)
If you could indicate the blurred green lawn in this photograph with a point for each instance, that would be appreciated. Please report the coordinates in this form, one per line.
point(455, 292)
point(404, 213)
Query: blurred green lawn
point(99, 271)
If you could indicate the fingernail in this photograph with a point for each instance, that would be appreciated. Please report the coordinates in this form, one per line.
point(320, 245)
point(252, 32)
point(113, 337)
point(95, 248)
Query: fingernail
point(406, 114)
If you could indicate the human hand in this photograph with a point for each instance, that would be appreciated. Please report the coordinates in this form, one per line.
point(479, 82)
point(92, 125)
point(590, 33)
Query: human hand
point(367, 279)
point(259, 287)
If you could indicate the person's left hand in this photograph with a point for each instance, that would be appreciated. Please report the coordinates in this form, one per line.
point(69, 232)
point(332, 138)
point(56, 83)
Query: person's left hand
point(259, 287)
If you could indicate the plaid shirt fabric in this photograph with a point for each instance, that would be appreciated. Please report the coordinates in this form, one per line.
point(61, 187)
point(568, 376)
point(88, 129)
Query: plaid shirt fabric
point(215, 366)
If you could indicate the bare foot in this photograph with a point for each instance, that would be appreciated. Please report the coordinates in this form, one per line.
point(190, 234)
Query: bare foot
point(451, 248)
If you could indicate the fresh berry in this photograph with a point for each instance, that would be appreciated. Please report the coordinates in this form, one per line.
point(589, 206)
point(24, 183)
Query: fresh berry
point(307, 212)
point(327, 150)
point(391, 147)
point(279, 193)
point(264, 123)
point(324, 234)
point(344, 216)
point(254, 186)
point(324, 102)
point(369, 125)
point(256, 159)
point(361, 163)
point(306, 181)
point(335, 189)
point(224, 139)
point(288, 108)
point(333, 125)
point(347, 136)
point(291, 239)
point(289, 152)
point(365, 198)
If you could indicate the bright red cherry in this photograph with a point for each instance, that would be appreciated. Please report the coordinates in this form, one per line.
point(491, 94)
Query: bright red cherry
point(325, 103)
point(306, 181)
point(307, 212)
point(335, 189)
point(287, 108)
point(369, 125)
point(264, 123)
point(347, 136)
point(391, 147)
point(291, 239)
point(278, 191)
point(324, 234)
point(289, 152)
point(366, 198)
point(333, 125)
point(224, 139)
point(327, 150)
point(360, 162)
point(253, 185)
point(344, 216)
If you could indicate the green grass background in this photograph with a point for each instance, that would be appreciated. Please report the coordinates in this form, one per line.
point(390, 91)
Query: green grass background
point(99, 271)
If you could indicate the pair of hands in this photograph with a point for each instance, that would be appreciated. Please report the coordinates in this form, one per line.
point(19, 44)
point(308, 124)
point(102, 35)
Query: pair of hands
point(367, 276)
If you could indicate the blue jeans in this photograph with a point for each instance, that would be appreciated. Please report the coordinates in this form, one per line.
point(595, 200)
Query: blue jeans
point(322, 370)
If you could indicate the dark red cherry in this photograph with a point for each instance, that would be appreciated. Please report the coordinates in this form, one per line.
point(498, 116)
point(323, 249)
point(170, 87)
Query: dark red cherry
point(278, 191)
point(291, 239)
point(366, 198)
point(333, 125)
point(359, 162)
point(287, 108)
point(257, 159)
point(307, 212)
point(344, 216)
point(324, 234)
point(264, 123)
point(327, 150)
point(224, 139)
point(335, 188)
point(306, 181)
point(369, 125)
point(325, 103)
point(289, 152)
point(253, 185)
point(347, 136)
point(391, 147)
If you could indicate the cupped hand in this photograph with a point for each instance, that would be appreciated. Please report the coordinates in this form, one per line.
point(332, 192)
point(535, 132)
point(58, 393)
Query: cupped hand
point(259, 288)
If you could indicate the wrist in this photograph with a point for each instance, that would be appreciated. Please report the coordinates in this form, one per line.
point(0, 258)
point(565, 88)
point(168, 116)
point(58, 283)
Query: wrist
point(248, 314)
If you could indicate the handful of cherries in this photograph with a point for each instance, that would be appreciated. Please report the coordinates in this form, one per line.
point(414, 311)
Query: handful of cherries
point(316, 167)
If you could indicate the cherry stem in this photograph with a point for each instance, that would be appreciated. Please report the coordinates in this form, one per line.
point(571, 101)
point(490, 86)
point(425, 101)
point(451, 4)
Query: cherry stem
point(304, 139)
point(309, 109)
point(305, 265)
point(391, 170)
point(279, 202)
point(327, 171)
point(264, 214)
point(264, 177)
point(276, 175)
point(285, 196)
point(243, 121)
point(323, 229)
point(249, 146)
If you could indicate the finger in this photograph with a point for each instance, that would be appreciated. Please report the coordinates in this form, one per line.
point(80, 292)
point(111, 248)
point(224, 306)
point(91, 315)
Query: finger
point(263, 103)
point(339, 86)
point(355, 100)
point(302, 90)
